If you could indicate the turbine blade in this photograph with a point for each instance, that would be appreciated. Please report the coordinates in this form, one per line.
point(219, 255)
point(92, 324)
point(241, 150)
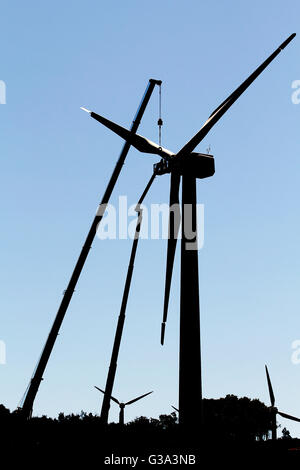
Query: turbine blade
point(111, 397)
point(86, 110)
point(176, 409)
point(226, 104)
point(174, 223)
point(138, 398)
point(138, 141)
point(272, 398)
point(284, 415)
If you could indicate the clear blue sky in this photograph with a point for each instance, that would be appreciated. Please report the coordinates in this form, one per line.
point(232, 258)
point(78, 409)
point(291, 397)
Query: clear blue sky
point(55, 164)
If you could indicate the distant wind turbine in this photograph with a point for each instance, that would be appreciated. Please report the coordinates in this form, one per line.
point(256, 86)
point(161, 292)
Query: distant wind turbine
point(274, 410)
point(122, 405)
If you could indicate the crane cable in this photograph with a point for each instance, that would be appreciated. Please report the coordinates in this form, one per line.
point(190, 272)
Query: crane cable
point(160, 121)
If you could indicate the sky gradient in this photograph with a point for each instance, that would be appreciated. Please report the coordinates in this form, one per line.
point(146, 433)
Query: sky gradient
point(56, 162)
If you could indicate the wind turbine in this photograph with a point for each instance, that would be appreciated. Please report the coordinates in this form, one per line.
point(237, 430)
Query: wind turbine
point(274, 410)
point(122, 405)
point(189, 166)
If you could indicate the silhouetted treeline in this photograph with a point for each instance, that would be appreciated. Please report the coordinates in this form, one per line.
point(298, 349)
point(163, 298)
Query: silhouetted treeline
point(229, 423)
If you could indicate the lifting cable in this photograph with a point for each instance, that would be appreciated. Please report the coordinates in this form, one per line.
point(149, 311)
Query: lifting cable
point(160, 121)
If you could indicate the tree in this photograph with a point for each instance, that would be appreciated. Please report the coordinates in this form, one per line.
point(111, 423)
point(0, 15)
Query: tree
point(286, 434)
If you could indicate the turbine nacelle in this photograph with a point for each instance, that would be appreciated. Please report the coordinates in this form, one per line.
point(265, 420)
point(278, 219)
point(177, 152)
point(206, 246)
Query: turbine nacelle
point(199, 165)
